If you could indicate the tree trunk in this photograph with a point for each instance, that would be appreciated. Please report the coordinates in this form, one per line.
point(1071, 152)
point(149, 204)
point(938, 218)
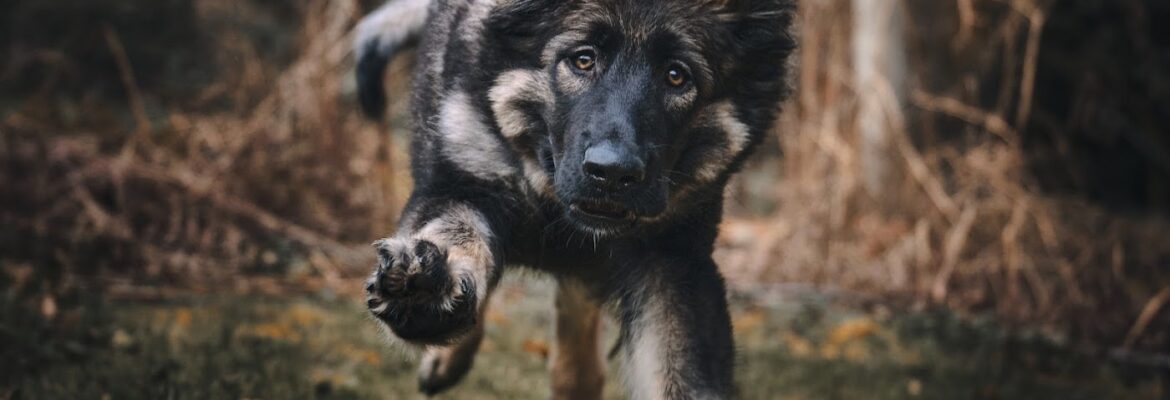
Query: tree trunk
point(879, 59)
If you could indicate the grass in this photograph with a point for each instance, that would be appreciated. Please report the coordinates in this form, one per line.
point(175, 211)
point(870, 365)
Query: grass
point(803, 346)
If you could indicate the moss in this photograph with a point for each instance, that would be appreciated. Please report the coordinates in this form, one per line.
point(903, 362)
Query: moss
point(214, 347)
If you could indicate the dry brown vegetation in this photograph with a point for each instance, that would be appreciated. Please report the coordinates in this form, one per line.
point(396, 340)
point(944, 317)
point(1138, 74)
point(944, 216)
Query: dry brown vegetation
point(185, 144)
point(969, 221)
point(263, 166)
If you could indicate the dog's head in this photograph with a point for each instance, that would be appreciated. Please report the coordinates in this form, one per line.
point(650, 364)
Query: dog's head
point(644, 100)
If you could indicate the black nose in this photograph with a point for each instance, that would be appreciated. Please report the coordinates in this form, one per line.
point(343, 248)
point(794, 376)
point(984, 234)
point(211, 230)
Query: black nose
point(613, 166)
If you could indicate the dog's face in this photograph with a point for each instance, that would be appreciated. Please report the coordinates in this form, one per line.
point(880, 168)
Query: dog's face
point(650, 99)
point(623, 100)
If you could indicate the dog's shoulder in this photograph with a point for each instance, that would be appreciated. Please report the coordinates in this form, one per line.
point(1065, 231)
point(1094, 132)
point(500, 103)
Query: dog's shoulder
point(477, 80)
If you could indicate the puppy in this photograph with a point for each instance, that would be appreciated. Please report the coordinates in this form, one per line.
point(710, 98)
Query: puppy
point(591, 140)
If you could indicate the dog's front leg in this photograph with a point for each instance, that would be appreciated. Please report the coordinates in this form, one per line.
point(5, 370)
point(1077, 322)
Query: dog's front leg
point(677, 332)
point(432, 282)
point(577, 369)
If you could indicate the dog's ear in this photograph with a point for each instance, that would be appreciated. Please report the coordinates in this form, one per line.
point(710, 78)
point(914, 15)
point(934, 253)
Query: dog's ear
point(519, 28)
point(761, 34)
point(761, 27)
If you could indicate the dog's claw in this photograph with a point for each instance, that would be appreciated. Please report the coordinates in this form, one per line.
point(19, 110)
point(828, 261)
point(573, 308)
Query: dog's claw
point(414, 293)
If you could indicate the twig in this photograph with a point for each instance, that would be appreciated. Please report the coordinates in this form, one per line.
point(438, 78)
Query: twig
point(129, 83)
point(967, 20)
point(101, 219)
point(346, 255)
point(990, 122)
point(349, 256)
point(1011, 249)
point(953, 247)
point(1148, 313)
point(1036, 23)
point(918, 167)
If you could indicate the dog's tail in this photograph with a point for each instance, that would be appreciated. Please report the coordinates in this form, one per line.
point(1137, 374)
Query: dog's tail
point(377, 39)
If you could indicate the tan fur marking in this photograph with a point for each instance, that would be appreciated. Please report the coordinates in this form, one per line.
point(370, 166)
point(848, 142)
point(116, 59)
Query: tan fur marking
point(738, 134)
point(467, 256)
point(468, 142)
point(568, 81)
point(652, 365)
point(642, 368)
point(537, 177)
point(723, 117)
point(576, 367)
point(471, 28)
point(515, 87)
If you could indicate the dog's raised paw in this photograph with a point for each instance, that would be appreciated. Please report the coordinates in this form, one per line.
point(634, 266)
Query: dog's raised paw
point(413, 292)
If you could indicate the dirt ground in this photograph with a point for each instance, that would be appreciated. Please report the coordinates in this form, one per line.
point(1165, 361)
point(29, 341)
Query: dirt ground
point(793, 344)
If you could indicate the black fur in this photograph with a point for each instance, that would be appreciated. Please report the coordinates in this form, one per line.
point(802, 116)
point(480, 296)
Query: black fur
point(641, 244)
point(370, 70)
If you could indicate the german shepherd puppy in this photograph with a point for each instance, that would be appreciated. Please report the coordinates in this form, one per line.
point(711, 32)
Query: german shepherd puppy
point(592, 140)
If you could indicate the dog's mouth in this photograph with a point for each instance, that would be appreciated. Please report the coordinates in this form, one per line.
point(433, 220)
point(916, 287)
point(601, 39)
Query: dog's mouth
point(601, 213)
point(602, 209)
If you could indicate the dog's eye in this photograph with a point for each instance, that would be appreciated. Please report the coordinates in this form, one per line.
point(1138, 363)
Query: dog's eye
point(585, 60)
point(676, 76)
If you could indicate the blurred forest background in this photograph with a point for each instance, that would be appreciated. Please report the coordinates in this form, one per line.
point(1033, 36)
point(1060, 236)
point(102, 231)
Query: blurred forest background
point(1002, 159)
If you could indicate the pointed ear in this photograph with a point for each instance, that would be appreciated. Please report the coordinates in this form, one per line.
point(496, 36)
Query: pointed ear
point(761, 34)
point(519, 27)
point(761, 25)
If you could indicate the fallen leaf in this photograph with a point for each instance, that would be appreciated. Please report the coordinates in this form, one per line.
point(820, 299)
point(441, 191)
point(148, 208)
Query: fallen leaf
point(304, 315)
point(851, 330)
point(496, 317)
point(536, 346)
point(271, 331)
point(747, 320)
point(797, 345)
point(48, 307)
point(183, 318)
point(121, 340)
point(914, 387)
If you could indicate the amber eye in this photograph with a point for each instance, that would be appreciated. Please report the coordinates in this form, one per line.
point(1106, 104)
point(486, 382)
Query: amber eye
point(585, 60)
point(676, 76)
